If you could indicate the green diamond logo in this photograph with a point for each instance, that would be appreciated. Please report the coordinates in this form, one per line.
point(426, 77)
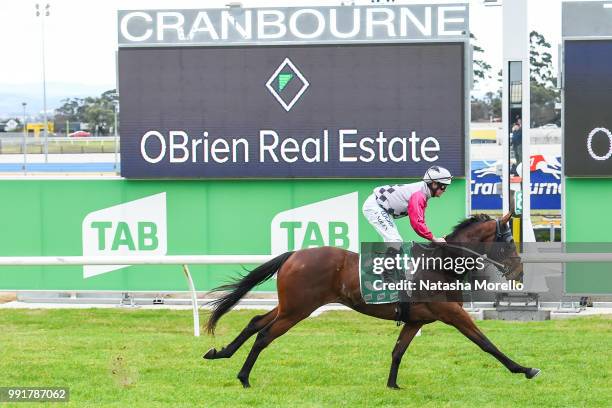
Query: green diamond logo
point(287, 84)
point(283, 80)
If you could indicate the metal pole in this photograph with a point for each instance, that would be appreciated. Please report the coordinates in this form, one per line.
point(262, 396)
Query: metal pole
point(552, 232)
point(44, 13)
point(194, 301)
point(527, 226)
point(25, 143)
point(116, 138)
point(505, 183)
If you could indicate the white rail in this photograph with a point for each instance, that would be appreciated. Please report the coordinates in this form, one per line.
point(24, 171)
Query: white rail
point(142, 260)
point(565, 257)
point(134, 260)
point(235, 260)
point(243, 259)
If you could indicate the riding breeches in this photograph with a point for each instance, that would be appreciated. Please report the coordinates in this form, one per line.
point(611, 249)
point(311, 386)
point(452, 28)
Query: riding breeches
point(381, 220)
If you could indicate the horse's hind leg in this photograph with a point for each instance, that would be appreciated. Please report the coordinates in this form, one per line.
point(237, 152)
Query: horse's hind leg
point(462, 321)
point(276, 328)
point(403, 341)
point(256, 324)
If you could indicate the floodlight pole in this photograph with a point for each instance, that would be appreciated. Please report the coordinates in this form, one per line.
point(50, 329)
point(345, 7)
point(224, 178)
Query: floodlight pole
point(43, 14)
point(25, 143)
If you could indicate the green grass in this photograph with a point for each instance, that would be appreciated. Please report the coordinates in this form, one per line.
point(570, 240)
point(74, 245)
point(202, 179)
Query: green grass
point(149, 358)
point(61, 147)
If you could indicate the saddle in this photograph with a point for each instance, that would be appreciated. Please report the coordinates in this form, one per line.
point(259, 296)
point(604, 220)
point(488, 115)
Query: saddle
point(380, 285)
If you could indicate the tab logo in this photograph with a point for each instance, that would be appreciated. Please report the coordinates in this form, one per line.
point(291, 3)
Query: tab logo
point(134, 228)
point(332, 222)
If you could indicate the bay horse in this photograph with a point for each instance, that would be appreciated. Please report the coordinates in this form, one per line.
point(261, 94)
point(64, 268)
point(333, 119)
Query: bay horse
point(310, 278)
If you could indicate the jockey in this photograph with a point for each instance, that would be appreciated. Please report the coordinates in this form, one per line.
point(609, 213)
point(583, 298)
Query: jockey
point(400, 200)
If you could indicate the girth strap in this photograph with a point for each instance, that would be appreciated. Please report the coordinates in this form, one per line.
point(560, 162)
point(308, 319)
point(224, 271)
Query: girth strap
point(402, 312)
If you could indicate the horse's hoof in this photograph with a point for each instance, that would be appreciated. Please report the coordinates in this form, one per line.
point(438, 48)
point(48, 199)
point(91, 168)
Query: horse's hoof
point(394, 386)
point(210, 354)
point(533, 372)
point(244, 382)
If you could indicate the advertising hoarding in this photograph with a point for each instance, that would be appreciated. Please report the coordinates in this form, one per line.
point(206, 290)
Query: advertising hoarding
point(292, 111)
point(183, 217)
point(587, 115)
point(545, 183)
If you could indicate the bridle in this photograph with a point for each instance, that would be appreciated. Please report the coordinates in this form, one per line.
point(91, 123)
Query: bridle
point(502, 232)
point(503, 235)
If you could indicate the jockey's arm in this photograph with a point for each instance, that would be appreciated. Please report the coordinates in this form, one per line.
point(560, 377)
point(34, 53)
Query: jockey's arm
point(416, 213)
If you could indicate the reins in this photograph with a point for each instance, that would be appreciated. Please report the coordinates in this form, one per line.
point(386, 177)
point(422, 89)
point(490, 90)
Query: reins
point(502, 235)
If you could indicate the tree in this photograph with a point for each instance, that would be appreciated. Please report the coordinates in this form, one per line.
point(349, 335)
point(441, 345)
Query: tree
point(487, 108)
point(544, 95)
point(543, 102)
point(97, 112)
point(540, 61)
point(494, 100)
point(490, 105)
point(68, 112)
point(479, 110)
point(481, 69)
point(70, 108)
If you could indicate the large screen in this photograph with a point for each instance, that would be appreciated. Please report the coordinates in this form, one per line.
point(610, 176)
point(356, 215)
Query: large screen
point(388, 110)
point(588, 108)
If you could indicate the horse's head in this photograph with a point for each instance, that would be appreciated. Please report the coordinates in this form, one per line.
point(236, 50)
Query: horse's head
point(496, 237)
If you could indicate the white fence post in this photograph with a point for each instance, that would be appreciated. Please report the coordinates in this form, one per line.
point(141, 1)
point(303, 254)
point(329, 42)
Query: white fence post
point(194, 301)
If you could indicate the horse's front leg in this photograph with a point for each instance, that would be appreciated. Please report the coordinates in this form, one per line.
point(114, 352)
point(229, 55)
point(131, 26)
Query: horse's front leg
point(403, 341)
point(454, 315)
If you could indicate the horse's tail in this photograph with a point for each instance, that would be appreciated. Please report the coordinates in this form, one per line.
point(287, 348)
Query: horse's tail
point(240, 287)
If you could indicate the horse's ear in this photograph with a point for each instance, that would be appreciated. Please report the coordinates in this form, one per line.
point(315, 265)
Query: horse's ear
point(504, 220)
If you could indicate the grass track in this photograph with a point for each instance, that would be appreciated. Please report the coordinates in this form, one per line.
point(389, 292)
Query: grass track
point(122, 358)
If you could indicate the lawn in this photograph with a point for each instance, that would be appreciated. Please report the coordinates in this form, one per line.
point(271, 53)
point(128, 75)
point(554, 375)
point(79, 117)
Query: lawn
point(132, 358)
point(76, 146)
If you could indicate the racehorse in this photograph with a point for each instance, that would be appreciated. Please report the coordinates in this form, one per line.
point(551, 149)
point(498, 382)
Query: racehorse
point(310, 278)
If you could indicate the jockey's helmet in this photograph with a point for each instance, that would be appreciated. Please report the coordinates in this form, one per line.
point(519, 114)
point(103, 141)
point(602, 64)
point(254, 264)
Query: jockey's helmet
point(438, 174)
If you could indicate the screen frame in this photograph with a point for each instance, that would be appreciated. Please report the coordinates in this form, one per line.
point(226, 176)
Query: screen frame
point(466, 86)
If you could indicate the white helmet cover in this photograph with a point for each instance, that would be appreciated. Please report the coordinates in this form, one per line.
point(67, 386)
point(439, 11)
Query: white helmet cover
point(438, 174)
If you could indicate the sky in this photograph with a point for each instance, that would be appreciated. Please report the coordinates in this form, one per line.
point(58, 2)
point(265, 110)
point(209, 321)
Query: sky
point(81, 41)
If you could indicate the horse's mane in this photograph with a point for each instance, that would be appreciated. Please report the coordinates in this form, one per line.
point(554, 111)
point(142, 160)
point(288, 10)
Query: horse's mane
point(474, 219)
